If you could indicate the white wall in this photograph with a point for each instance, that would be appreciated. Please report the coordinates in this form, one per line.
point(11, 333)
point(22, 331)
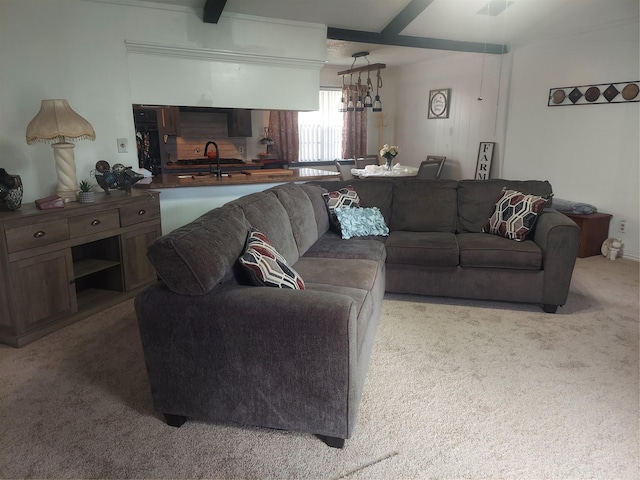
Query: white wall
point(75, 49)
point(589, 153)
point(470, 121)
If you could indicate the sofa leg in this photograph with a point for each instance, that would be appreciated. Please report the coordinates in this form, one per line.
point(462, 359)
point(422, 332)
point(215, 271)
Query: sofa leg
point(548, 308)
point(334, 442)
point(174, 420)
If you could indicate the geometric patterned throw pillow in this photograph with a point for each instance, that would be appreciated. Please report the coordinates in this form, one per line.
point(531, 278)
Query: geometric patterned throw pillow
point(266, 266)
point(515, 215)
point(343, 198)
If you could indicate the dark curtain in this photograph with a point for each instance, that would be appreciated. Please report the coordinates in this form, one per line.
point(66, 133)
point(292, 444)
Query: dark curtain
point(354, 131)
point(283, 129)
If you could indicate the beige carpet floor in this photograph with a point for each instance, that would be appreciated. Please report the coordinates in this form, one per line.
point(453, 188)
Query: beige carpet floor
point(456, 389)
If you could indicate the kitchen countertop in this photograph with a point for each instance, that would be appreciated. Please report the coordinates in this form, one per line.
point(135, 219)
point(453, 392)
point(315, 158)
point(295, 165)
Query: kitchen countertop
point(236, 178)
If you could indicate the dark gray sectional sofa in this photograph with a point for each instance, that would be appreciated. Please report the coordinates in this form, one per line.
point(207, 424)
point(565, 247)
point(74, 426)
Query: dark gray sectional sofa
point(218, 348)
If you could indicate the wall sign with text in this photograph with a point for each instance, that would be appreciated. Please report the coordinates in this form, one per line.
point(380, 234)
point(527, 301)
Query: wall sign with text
point(439, 103)
point(485, 157)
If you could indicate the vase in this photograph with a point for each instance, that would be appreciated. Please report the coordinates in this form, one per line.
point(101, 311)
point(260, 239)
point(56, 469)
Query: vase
point(389, 160)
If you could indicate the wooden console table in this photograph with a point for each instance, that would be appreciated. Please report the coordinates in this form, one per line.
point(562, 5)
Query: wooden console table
point(595, 230)
point(58, 266)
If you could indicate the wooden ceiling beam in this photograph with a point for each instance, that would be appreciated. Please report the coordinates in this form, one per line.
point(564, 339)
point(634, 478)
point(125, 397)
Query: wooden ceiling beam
point(213, 10)
point(405, 17)
point(416, 42)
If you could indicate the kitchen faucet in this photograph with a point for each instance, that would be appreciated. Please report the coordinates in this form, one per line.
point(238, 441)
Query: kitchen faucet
point(218, 171)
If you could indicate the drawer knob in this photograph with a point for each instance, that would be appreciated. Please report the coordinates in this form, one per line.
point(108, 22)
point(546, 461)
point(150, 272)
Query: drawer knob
point(39, 234)
point(141, 212)
point(95, 222)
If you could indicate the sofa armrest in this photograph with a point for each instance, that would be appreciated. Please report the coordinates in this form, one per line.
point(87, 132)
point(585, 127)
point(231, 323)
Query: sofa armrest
point(559, 238)
point(262, 356)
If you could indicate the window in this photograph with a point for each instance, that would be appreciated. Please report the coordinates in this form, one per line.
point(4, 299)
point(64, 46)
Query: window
point(320, 132)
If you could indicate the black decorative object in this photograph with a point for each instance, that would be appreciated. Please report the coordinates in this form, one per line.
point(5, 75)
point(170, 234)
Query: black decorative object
point(621, 92)
point(11, 191)
point(117, 176)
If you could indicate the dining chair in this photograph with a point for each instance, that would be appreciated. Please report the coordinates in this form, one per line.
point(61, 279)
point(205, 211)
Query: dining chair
point(344, 169)
point(366, 160)
point(429, 166)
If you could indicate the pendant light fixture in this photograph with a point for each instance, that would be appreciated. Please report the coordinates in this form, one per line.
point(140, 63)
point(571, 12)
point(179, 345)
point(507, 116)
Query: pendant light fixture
point(377, 103)
point(368, 101)
point(360, 104)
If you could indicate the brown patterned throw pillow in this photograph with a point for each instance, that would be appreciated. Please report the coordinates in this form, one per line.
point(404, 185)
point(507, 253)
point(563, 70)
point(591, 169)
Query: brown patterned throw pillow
point(345, 197)
point(515, 215)
point(266, 266)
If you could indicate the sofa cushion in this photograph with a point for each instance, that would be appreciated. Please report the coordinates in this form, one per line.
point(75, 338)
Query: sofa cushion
point(482, 250)
point(301, 214)
point(431, 249)
point(373, 192)
point(345, 197)
point(266, 266)
point(515, 215)
point(331, 245)
point(356, 273)
point(361, 222)
point(477, 198)
point(424, 205)
point(314, 192)
point(264, 211)
point(194, 258)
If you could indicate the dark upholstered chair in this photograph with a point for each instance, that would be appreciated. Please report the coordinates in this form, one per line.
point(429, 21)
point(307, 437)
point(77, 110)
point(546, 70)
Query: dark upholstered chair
point(366, 160)
point(431, 167)
point(344, 169)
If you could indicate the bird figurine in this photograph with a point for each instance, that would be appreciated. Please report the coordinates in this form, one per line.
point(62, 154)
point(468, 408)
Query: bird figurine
point(127, 178)
point(105, 177)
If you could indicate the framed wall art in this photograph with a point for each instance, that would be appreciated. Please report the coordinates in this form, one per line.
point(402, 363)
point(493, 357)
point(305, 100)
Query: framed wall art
point(485, 157)
point(603, 93)
point(439, 103)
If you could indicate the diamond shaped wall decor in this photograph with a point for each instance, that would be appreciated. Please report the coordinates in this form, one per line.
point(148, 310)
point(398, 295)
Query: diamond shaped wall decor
point(620, 92)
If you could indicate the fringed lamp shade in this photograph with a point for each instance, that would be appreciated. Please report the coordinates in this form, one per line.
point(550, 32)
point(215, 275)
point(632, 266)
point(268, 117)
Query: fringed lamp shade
point(57, 122)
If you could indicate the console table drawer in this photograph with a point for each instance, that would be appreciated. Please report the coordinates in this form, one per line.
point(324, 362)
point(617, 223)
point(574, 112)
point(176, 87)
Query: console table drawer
point(36, 235)
point(93, 223)
point(139, 212)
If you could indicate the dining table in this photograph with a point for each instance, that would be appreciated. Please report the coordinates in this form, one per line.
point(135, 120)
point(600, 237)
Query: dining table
point(382, 171)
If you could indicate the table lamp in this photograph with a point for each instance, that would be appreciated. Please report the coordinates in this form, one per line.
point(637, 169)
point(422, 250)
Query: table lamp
point(57, 122)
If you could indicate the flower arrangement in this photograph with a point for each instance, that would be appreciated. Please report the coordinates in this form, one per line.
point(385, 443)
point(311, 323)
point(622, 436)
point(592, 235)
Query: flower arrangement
point(389, 153)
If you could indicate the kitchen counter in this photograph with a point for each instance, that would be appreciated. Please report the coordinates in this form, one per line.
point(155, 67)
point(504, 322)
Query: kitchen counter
point(237, 178)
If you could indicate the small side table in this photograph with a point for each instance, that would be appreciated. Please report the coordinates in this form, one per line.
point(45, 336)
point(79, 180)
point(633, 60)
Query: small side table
point(595, 230)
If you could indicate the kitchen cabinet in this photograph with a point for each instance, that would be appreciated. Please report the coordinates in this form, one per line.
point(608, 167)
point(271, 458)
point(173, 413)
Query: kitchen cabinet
point(239, 123)
point(59, 266)
point(170, 121)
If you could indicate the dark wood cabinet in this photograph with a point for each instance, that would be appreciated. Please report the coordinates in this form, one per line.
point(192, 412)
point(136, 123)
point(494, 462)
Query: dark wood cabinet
point(594, 229)
point(170, 121)
point(239, 123)
point(59, 266)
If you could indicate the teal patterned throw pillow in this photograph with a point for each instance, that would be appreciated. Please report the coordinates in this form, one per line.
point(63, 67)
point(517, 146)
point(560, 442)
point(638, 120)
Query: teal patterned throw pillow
point(359, 222)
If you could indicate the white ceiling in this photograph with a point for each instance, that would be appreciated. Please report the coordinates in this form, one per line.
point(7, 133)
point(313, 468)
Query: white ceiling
point(442, 19)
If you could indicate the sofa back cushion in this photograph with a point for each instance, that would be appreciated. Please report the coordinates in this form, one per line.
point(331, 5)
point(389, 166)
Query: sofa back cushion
point(373, 192)
point(424, 205)
point(301, 214)
point(314, 192)
point(264, 211)
point(194, 258)
point(477, 199)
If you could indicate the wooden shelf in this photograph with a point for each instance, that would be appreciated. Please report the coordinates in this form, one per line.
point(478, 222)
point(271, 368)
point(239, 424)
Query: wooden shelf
point(82, 268)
